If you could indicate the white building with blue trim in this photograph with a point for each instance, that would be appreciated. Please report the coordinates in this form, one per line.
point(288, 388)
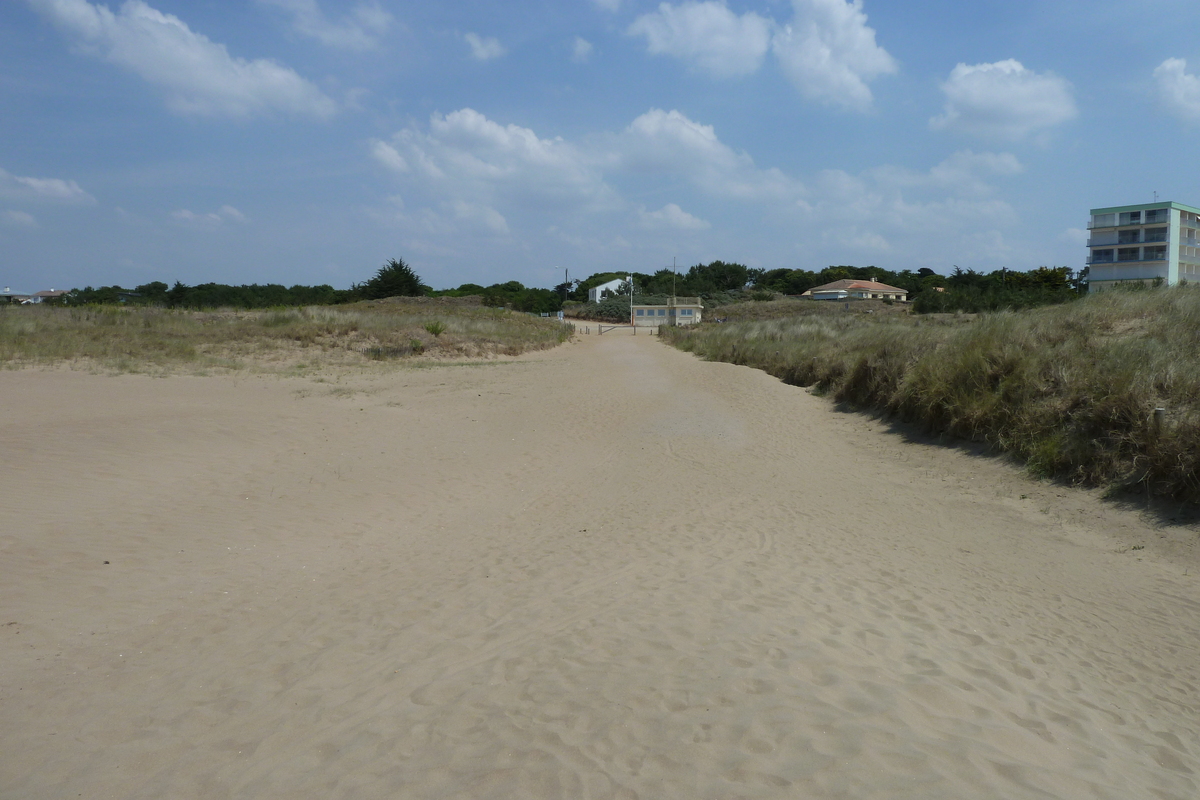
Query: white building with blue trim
point(676, 311)
point(1154, 243)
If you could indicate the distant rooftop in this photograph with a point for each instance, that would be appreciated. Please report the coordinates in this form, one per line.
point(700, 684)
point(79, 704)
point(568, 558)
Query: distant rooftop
point(1145, 207)
point(851, 283)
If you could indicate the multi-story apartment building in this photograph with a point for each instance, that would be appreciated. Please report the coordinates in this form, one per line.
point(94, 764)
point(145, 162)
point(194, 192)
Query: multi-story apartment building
point(1152, 243)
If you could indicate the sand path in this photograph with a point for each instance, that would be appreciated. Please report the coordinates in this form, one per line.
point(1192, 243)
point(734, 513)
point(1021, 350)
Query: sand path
point(606, 570)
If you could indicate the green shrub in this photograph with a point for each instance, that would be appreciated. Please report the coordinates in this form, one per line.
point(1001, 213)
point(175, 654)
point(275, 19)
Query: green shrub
point(394, 279)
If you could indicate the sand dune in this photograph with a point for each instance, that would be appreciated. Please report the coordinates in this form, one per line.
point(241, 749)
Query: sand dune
point(606, 570)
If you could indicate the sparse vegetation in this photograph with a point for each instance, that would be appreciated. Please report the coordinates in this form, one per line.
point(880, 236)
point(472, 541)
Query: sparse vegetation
point(1069, 389)
point(147, 339)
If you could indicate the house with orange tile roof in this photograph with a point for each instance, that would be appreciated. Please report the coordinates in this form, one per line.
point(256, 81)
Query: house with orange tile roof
point(852, 289)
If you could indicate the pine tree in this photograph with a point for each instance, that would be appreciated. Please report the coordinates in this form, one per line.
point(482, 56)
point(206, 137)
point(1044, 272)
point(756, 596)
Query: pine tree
point(394, 279)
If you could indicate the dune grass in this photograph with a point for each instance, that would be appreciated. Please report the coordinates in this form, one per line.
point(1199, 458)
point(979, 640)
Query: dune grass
point(1071, 390)
point(149, 339)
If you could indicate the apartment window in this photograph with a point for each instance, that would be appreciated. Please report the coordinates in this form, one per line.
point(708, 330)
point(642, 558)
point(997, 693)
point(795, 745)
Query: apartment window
point(641, 312)
point(1156, 215)
point(1104, 220)
point(1128, 254)
point(1128, 237)
point(1102, 256)
point(662, 312)
point(1155, 253)
point(1156, 234)
point(685, 312)
point(1131, 218)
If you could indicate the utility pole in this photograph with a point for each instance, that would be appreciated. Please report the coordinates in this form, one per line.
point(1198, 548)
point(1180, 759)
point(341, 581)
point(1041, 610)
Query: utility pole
point(631, 322)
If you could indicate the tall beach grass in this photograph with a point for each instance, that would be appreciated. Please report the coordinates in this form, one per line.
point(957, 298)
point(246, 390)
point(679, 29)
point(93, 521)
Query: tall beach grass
point(1070, 389)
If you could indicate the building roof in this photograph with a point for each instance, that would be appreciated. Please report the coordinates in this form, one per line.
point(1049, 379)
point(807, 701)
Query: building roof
point(1145, 207)
point(849, 284)
point(606, 284)
point(672, 302)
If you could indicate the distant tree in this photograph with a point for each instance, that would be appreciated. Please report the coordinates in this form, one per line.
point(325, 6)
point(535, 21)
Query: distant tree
point(564, 289)
point(154, 293)
point(177, 294)
point(717, 276)
point(394, 279)
point(1080, 284)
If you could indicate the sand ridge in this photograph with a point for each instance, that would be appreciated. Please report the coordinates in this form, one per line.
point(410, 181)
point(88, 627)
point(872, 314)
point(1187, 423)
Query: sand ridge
point(606, 570)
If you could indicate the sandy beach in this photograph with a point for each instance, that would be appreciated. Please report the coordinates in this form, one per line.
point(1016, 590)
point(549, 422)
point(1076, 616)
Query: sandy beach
point(604, 570)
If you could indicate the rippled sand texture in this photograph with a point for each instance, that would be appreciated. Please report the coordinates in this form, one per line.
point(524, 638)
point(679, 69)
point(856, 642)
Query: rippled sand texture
point(607, 570)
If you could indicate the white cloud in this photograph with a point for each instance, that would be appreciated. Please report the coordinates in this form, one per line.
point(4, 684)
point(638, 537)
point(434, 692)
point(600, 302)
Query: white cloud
point(388, 156)
point(1075, 236)
point(213, 218)
point(1179, 89)
point(829, 53)
point(55, 190)
point(669, 142)
point(1003, 100)
point(198, 75)
point(484, 49)
point(466, 156)
point(358, 30)
point(18, 219)
point(485, 216)
point(229, 212)
point(581, 50)
point(673, 217)
point(964, 173)
point(471, 183)
point(890, 208)
point(708, 35)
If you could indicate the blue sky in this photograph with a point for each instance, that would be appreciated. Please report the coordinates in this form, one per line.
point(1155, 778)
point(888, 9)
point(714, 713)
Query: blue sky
point(308, 141)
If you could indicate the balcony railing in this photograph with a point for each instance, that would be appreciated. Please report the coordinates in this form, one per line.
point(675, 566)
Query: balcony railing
point(1104, 262)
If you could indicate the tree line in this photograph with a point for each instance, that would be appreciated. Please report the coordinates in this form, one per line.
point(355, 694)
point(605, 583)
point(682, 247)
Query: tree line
point(716, 282)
